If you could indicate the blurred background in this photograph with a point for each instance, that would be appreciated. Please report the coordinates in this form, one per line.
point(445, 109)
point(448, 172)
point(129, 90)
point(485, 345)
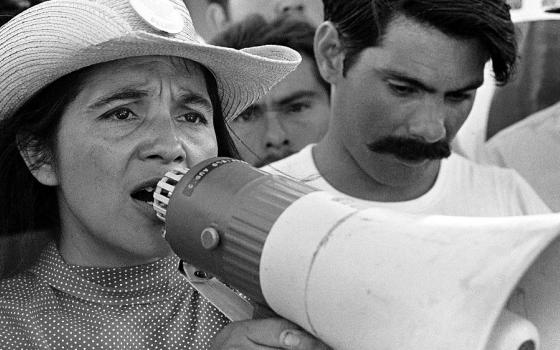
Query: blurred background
point(535, 86)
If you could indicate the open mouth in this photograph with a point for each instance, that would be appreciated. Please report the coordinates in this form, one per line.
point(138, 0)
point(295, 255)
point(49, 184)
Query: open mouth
point(145, 194)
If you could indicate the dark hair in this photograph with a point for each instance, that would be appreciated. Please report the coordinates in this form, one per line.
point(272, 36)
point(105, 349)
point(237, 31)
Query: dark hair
point(363, 23)
point(28, 205)
point(287, 31)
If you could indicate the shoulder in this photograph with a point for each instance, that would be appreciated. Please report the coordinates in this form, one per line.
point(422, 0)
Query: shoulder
point(19, 290)
point(540, 121)
point(299, 165)
point(482, 176)
point(503, 187)
point(22, 298)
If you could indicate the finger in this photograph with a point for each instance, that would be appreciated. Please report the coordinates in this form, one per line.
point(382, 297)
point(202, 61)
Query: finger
point(271, 333)
point(268, 331)
point(252, 334)
point(292, 339)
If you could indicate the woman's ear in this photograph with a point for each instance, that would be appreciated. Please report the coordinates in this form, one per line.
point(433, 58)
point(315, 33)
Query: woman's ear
point(329, 52)
point(40, 167)
point(216, 17)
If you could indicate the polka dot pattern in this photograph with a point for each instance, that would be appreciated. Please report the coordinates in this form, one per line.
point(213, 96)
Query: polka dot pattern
point(57, 306)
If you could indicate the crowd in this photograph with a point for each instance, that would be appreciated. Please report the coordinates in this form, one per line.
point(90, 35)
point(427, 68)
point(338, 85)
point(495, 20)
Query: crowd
point(361, 98)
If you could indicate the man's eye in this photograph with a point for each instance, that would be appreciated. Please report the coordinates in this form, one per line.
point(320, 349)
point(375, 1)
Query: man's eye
point(195, 118)
point(297, 107)
point(459, 97)
point(247, 115)
point(402, 90)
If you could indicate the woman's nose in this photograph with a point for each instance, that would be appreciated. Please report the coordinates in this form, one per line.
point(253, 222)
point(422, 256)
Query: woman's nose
point(164, 142)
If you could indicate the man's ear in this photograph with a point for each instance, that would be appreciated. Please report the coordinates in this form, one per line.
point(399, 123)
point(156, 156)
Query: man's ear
point(42, 169)
point(216, 17)
point(329, 52)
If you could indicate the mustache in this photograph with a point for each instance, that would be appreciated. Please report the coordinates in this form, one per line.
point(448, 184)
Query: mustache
point(411, 149)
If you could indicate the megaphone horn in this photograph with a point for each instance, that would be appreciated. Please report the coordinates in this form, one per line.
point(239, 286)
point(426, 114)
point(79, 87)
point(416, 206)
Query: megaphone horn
point(370, 278)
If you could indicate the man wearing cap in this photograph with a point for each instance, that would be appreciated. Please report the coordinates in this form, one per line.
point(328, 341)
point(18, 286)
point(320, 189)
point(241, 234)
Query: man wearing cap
point(403, 78)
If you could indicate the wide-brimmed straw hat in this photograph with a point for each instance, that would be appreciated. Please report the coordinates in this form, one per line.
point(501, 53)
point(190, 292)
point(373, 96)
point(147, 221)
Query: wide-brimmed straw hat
point(58, 37)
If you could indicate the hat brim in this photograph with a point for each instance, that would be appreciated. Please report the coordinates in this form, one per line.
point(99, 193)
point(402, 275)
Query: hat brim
point(242, 76)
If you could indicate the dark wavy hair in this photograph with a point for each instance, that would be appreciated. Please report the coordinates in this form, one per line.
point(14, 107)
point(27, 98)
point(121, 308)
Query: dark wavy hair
point(297, 34)
point(363, 23)
point(26, 204)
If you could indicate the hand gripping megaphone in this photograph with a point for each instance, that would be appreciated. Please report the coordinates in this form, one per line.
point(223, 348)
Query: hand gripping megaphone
point(367, 278)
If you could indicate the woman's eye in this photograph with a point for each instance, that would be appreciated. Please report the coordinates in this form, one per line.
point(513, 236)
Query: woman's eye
point(119, 114)
point(195, 118)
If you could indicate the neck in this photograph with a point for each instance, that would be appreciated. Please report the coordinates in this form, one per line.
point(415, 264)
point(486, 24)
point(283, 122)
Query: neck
point(381, 179)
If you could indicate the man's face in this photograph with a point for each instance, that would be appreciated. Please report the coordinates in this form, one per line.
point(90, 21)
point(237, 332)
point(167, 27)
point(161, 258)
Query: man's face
point(292, 115)
point(311, 10)
point(134, 120)
point(398, 107)
point(15, 4)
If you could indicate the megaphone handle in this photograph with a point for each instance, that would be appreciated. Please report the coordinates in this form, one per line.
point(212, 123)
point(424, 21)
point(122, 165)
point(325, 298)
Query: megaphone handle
point(223, 298)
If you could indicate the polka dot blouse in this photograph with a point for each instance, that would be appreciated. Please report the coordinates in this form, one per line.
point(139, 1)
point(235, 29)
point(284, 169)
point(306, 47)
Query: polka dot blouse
point(57, 306)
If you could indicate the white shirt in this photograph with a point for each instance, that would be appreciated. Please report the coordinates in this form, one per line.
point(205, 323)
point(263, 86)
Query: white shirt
point(532, 147)
point(462, 188)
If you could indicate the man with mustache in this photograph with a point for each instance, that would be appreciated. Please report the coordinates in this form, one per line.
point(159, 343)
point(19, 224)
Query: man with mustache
point(403, 78)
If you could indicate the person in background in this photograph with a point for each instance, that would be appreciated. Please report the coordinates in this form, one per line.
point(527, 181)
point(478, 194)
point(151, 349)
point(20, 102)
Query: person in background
point(14, 5)
point(222, 13)
point(531, 147)
point(296, 111)
point(10, 8)
point(403, 78)
point(98, 100)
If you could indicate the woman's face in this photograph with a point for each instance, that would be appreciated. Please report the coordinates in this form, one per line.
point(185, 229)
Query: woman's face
point(133, 120)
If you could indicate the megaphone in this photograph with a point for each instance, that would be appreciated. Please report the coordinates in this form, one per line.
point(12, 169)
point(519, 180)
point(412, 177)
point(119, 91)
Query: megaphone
point(367, 278)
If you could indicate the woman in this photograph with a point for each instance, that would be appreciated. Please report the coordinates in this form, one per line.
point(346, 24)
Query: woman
point(98, 100)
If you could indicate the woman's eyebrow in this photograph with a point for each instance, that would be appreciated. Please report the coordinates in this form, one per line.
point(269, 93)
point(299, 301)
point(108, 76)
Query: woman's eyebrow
point(126, 93)
point(190, 98)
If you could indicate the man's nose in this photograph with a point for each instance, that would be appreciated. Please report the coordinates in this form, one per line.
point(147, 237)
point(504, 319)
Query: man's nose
point(428, 123)
point(276, 137)
point(290, 7)
point(164, 142)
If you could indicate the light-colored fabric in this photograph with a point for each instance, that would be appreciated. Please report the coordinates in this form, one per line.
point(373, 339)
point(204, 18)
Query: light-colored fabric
point(463, 188)
point(57, 306)
point(532, 147)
